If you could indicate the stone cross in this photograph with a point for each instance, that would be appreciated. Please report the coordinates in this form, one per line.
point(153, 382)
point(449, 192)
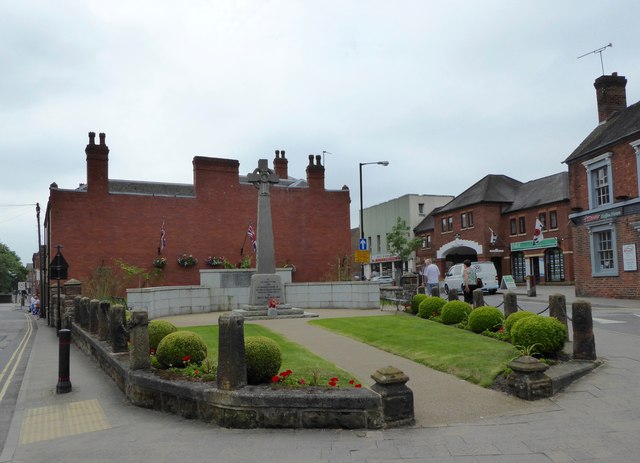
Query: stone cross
point(263, 178)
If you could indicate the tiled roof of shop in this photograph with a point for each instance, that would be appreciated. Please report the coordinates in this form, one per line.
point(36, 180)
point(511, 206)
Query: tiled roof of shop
point(621, 125)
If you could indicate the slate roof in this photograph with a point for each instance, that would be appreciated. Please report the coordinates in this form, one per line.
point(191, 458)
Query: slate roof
point(621, 125)
point(490, 189)
point(545, 190)
point(426, 224)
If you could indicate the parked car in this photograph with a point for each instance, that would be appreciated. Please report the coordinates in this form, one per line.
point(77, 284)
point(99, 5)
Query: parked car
point(383, 280)
point(486, 271)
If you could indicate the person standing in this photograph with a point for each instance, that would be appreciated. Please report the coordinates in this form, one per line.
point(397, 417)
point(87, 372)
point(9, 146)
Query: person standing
point(470, 281)
point(431, 275)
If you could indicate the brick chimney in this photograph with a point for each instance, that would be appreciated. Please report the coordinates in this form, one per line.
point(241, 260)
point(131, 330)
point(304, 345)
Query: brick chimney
point(610, 95)
point(281, 165)
point(97, 165)
point(315, 173)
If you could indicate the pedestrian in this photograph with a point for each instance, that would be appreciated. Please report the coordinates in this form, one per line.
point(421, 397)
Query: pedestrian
point(32, 304)
point(36, 311)
point(470, 281)
point(431, 274)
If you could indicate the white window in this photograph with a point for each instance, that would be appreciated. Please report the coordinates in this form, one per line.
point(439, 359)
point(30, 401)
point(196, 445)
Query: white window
point(599, 180)
point(421, 208)
point(604, 259)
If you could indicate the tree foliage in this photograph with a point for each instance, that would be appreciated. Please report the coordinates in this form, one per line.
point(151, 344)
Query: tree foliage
point(400, 242)
point(11, 270)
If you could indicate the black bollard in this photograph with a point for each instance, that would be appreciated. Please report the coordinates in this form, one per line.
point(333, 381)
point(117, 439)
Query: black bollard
point(64, 341)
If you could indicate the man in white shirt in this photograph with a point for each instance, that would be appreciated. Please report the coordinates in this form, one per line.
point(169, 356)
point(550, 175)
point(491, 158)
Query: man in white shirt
point(431, 275)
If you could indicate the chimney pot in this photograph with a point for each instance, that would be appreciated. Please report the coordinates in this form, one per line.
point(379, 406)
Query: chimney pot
point(92, 138)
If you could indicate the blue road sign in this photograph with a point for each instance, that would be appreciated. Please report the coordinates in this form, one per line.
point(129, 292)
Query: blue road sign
point(363, 244)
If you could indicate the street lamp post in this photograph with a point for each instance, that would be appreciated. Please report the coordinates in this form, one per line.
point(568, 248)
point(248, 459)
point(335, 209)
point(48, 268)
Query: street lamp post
point(382, 163)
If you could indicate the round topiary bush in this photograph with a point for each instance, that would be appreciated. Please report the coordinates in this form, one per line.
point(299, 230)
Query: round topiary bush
point(454, 312)
point(546, 334)
point(263, 358)
point(485, 318)
point(513, 318)
point(158, 329)
point(430, 306)
point(181, 347)
point(415, 302)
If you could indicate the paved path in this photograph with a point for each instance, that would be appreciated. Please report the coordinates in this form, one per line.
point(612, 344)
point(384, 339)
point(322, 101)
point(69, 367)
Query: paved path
point(432, 389)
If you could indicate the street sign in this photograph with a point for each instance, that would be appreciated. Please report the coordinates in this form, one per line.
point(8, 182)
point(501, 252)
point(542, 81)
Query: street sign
point(362, 244)
point(22, 286)
point(58, 268)
point(363, 257)
point(508, 282)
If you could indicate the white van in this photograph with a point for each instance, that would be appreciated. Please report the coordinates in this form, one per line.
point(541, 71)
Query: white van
point(486, 271)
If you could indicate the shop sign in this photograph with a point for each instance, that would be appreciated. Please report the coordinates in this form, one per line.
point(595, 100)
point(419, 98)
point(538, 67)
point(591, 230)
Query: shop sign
point(524, 245)
point(602, 216)
point(385, 258)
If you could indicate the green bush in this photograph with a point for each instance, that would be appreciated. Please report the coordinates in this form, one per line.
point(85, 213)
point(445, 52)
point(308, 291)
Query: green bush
point(546, 334)
point(158, 329)
point(263, 358)
point(454, 312)
point(513, 318)
point(431, 306)
point(415, 302)
point(485, 318)
point(180, 348)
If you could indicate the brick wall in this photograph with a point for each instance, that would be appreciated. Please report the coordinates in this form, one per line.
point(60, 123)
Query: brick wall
point(310, 225)
point(626, 285)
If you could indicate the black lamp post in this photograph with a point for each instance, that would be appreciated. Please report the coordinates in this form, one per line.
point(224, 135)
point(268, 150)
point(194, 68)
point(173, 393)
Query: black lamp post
point(382, 163)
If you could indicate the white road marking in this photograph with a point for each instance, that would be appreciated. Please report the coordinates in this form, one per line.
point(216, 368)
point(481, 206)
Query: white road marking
point(604, 321)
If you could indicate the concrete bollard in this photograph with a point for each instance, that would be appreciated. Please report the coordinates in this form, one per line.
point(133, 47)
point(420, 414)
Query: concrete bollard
point(558, 309)
point(104, 328)
point(77, 304)
point(435, 292)
point(478, 298)
point(139, 328)
point(452, 295)
point(584, 344)
point(510, 303)
point(64, 351)
point(232, 369)
point(397, 398)
point(118, 329)
point(93, 315)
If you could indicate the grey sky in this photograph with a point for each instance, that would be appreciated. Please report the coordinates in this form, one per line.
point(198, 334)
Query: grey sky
point(447, 92)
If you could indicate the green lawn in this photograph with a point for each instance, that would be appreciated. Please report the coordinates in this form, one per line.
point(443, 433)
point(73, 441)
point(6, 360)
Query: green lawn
point(470, 356)
point(295, 357)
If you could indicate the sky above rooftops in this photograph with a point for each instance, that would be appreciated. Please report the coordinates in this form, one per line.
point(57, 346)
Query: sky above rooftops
point(447, 92)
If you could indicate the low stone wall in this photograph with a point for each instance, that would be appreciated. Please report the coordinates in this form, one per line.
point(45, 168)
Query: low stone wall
point(226, 290)
point(248, 407)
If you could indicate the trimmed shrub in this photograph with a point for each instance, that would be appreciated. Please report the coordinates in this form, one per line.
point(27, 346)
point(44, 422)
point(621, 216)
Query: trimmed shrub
point(454, 312)
point(431, 306)
point(263, 358)
point(513, 318)
point(415, 302)
point(485, 318)
point(181, 347)
point(158, 329)
point(546, 334)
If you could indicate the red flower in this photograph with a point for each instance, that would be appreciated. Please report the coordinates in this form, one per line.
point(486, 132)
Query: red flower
point(334, 380)
point(358, 386)
point(351, 381)
point(196, 373)
point(186, 358)
point(152, 351)
point(332, 383)
point(275, 379)
point(501, 329)
point(302, 381)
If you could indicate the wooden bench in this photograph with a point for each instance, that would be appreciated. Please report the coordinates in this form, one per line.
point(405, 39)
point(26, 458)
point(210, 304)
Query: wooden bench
point(395, 296)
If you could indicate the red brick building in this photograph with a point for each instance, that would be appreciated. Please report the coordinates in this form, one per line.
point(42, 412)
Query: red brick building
point(107, 220)
point(605, 202)
point(494, 220)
